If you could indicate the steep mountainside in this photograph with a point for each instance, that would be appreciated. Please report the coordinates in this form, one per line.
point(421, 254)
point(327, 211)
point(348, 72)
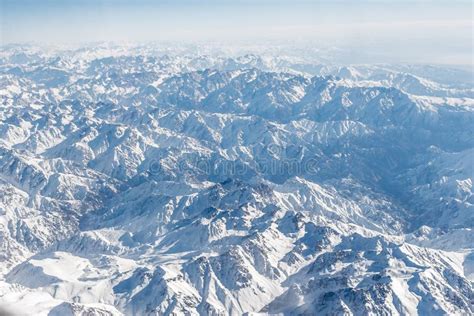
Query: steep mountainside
point(135, 182)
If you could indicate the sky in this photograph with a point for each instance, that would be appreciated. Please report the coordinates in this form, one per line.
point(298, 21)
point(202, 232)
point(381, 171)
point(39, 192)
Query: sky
point(412, 31)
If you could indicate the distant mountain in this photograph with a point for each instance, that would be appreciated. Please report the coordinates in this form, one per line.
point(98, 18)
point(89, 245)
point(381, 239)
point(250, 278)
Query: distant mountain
point(138, 182)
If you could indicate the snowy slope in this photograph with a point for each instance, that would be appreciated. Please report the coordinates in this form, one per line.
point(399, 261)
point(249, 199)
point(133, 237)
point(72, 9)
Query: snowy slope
point(139, 180)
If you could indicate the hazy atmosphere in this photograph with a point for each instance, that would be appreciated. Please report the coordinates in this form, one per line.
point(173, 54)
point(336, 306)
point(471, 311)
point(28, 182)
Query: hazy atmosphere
point(390, 31)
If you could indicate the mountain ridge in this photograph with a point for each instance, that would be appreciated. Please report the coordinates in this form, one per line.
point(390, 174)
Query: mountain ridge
point(201, 185)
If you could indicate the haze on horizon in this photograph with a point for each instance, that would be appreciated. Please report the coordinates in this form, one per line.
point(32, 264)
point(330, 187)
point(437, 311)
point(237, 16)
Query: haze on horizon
point(406, 31)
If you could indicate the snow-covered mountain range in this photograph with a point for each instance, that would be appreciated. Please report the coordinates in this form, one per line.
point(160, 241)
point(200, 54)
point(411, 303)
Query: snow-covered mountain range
point(153, 181)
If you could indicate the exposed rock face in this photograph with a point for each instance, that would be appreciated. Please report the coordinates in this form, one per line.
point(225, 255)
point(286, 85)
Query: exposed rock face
point(149, 184)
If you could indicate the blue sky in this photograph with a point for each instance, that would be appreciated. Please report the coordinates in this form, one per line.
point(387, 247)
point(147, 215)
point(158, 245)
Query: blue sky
point(430, 31)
